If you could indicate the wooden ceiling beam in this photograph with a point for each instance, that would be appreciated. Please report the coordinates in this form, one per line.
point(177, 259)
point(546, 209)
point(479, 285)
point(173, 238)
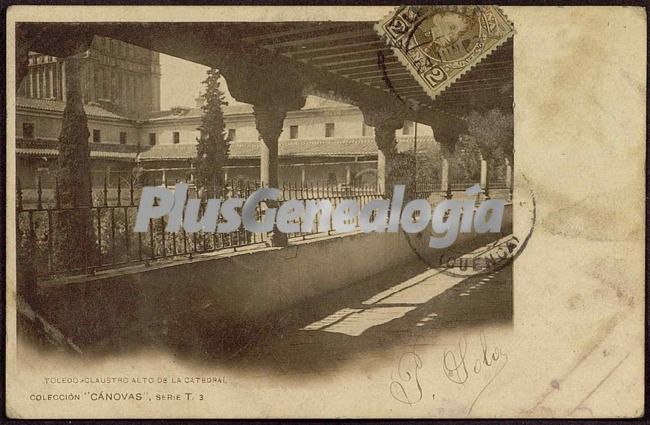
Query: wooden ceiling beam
point(345, 57)
point(361, 64)
point(389, 68)
point(305, 42)
point(286, 35)
point(395, 76)
point(319, 45)
point(342, 48)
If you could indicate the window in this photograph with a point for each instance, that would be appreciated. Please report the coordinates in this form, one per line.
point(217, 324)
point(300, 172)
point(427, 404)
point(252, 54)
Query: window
point(152, 139)
point(407, 129)
point(329, 129)
point(232, 134)
point(293, 132)
point(122, 137)
point(28, 130)
point(177, 137)
point(97, 136)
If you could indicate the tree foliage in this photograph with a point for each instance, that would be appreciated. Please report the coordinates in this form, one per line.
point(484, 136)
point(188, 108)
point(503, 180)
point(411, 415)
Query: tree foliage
point(74, 241)
point(465, 164)
point(213, 145)
point(489, 133)
point(493, 133)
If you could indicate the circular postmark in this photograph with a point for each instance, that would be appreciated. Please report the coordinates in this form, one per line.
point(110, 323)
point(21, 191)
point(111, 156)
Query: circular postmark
point(475, 254)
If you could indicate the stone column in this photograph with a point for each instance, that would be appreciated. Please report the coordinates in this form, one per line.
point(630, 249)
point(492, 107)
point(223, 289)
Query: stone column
point(445, 179)
point(303, 174)
point(508, 177)
point(64, 90)
point(269, 122)
point(446, 136)
point(387, 148)
point(348, 175)
point(386, 121)
point(273, 91)
point(50, 69)
point(31, 83)
point(484, 177)
point(37, 71)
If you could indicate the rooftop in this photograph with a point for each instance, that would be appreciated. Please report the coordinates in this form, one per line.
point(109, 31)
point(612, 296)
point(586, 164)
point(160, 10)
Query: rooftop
point(330, 147)
point(53, 105)
point(50, 148)
point(180, 112)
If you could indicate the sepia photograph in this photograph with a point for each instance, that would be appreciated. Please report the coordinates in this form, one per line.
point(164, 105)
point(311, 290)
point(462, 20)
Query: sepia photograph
point(275, 212)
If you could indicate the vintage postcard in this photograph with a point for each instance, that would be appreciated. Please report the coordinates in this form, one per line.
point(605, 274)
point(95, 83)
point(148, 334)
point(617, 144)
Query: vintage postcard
point(325, 212)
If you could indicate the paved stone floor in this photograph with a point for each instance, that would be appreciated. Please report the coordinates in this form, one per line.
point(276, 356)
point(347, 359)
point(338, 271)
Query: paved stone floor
point(410, 306)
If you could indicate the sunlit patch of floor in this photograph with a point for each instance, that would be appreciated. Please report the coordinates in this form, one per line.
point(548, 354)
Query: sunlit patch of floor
point(397, 301)
point(420, 292)
point(387, 305)
point(357, 323)
point(429, 317)
point(402, 286)
point(331, 319)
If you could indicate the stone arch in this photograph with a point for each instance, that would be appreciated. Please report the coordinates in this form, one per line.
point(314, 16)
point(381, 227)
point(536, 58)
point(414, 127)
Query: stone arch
point(365, 176)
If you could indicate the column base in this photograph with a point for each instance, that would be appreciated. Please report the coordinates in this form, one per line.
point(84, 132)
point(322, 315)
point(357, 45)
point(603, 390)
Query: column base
point(278, 239)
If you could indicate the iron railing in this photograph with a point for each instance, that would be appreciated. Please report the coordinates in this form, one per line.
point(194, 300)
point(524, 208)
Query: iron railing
point(113, 213)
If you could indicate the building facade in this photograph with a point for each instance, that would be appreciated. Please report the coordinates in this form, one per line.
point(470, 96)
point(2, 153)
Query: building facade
point(119, 77)
point(325, 142)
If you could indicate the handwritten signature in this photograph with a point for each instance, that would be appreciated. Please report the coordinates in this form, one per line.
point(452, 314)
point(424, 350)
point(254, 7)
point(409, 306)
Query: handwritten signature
point(406, 388)
point(458, 368)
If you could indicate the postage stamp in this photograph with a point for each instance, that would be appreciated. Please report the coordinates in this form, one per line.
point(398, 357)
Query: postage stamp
point(438, 43)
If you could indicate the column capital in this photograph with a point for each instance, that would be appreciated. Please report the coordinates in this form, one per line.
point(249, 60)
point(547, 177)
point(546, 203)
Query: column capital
point(265, 89)
point(385, 116)
point(447, 136)
point(269, 121)
point(386, 119)
point(447, 149)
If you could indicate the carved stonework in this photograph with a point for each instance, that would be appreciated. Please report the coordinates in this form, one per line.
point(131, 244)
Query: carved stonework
point(386, 120)
point(267, 88)
point(384, 116)
point(269, 122)
point(447, 137)
point(385, 139)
